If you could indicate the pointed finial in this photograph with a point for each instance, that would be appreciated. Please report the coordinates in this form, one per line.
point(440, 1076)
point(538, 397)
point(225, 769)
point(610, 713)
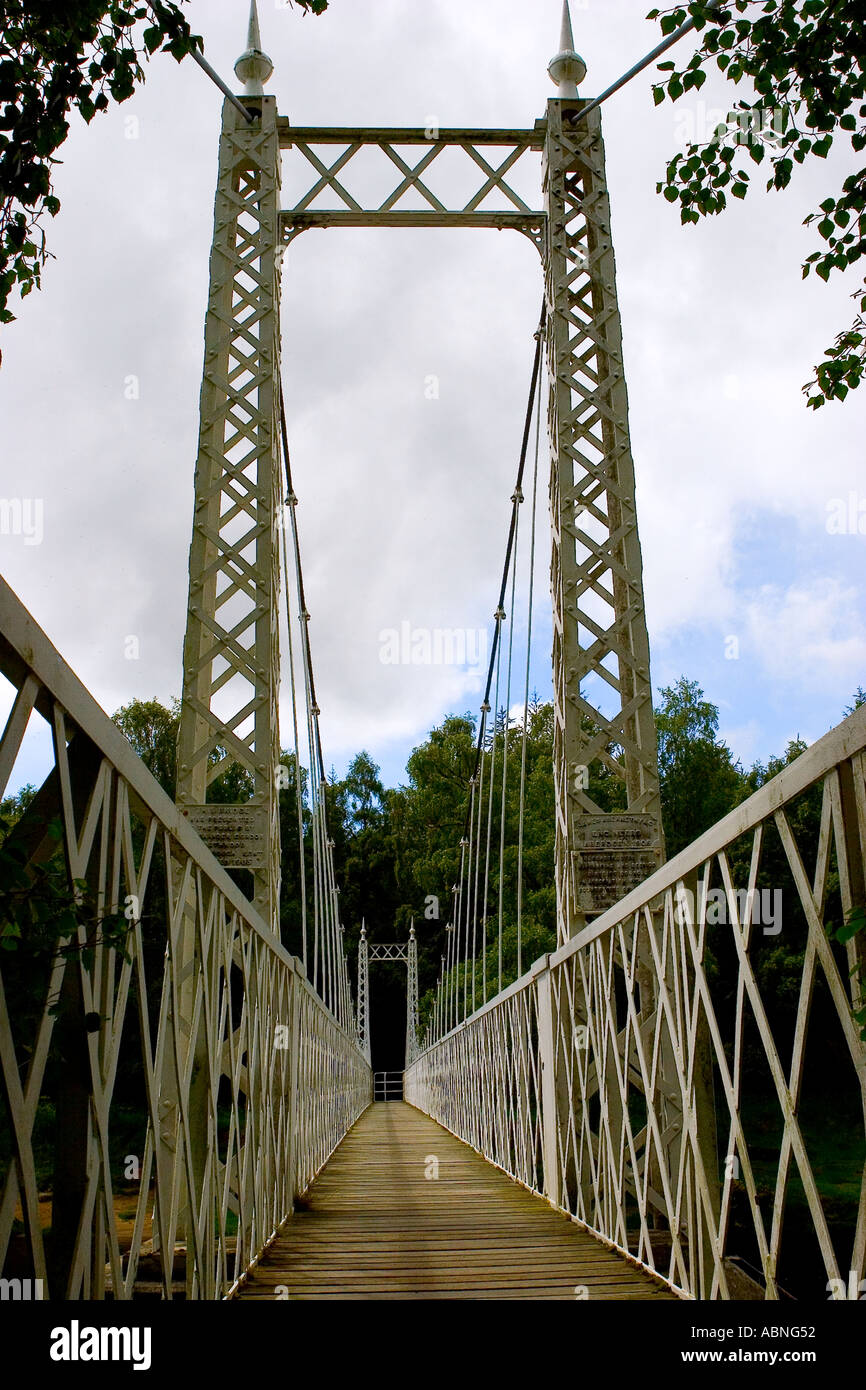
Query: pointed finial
point(363, 928)
point(412, 930)
point(254, 67)
point(567, 68)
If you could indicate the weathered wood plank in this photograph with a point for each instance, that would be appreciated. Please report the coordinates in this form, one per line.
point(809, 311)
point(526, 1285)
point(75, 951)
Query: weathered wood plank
point(376, 1224)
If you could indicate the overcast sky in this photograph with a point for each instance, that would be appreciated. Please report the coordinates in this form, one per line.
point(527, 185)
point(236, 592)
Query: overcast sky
point(404, 500)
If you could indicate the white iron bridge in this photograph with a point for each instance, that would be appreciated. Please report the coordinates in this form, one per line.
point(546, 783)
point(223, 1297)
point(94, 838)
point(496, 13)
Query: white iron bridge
point(635, 1116)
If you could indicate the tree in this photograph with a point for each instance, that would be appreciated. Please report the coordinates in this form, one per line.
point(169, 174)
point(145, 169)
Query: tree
point(364, 794)
point(700, 782)
point(12, 808)
point(56, 57)
point(152, 730)
point(428, 814)
point(359, 820)
point(805, 61)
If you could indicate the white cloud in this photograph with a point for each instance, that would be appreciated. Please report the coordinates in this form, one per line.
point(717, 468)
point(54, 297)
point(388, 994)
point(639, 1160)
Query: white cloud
point(745, 740)
point(809, 635)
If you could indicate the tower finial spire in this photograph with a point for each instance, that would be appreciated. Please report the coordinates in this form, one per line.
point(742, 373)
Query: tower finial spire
point(567, 68)
point(254, 67)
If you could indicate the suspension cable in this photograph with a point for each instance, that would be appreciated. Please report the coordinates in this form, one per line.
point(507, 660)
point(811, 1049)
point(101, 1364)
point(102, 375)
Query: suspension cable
point(657, 52)
point(516, 500)
point(477, 855)
point(466, 903)
point(291, 501)
point(248, 115)
point(520, 818)
point(330, 973)
point(536, 365)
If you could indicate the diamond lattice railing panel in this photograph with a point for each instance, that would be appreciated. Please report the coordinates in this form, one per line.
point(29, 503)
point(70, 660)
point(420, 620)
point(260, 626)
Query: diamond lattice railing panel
point(210, 1082)
point(482, 1082)
point(704, 1107)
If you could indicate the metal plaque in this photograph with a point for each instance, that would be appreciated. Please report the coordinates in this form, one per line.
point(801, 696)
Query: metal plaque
point(235, 835)
point(613, 855)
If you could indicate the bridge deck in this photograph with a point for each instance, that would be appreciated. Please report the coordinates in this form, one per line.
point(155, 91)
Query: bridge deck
point(374, 1227)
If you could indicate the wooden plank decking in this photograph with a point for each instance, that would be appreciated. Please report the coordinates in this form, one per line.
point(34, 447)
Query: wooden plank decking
point(372, 1226)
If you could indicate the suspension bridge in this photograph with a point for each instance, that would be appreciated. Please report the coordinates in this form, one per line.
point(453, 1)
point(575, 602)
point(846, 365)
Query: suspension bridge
point(590, 1130)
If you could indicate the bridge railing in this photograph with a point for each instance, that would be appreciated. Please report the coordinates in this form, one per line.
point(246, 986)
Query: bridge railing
point(686, 1077)
point(170, 1080)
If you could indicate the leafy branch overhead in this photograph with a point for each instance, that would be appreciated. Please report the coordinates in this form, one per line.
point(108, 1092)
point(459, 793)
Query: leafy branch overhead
point(57, 56)
point(53, 59)
point(803, 61)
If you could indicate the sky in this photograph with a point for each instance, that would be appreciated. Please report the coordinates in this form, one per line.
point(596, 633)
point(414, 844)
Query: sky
point(749, 504)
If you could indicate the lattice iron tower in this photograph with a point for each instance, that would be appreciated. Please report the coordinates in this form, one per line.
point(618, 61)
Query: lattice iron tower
point(601, 672)
point(599, 623)
point(412, 998)
point(364, 993)
point(229, 708)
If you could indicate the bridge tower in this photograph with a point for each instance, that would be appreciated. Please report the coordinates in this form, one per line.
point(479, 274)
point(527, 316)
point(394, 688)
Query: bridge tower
point(364, 993)
point(411, 997)
point(229, 707)
point(601, 667)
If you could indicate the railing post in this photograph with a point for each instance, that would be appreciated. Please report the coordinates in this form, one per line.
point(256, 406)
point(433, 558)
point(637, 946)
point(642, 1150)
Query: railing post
point(546, 1055)
point(294, 1109)
point(703, 1099)
point(853, 889)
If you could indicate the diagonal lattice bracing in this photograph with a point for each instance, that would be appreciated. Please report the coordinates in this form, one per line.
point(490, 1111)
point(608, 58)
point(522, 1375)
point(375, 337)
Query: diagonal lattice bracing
point(602, 690)
point(679, 1099)
point(327, 164)
point(231, 658)
point(200, 986)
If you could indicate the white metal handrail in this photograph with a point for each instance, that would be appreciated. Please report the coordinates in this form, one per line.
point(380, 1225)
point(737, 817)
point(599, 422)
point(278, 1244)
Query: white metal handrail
point(247, 1081)
point(618, 1075)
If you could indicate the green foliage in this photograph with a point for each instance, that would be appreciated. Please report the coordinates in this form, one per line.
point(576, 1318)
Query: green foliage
point(152, 730)
point(57, 56)
point(431, 814)
point(804, 62)
point(82, 55)
point(361, 826)
point(44, 916)
point(700, 781)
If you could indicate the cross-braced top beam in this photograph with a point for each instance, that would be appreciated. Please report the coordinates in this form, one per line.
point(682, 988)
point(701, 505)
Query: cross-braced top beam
point(413, 201)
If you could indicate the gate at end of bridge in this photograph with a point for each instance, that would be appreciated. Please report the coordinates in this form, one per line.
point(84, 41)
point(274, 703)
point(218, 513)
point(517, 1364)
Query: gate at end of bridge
point(387, 1085)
